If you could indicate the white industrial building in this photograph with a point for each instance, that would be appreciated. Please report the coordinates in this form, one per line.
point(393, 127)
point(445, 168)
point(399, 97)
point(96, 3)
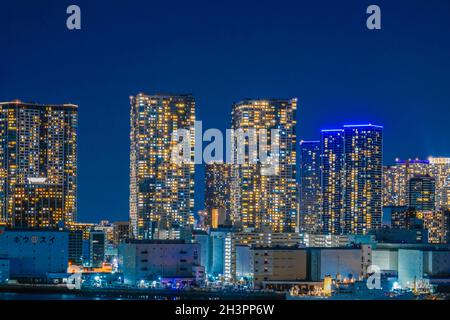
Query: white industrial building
point(33, 254)
point(165, 261)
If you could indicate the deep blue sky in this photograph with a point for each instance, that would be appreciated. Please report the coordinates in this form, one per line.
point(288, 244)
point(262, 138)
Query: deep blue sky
point(224, 51)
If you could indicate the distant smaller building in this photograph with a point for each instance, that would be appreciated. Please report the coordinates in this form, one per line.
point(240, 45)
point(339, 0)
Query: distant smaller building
point(251, 238)
point(392, 235)
point(335, 240)
point(278, 264)
point(202, 238)
point(220, 252)
point(97, 246)
point(412, 263)
point(401, 217)
point(121, 232)
point(76, 247)
point(165, 261)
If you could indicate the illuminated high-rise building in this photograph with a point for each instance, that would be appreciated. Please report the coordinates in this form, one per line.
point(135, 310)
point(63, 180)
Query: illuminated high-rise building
point(260, 199)
point(394, 187)
point(396, 177)
point(310, 186)
point(445, 226)
point(161, 190)
point(38, 164)
point(441, 173)
point(332, 164)
point(362, 209)
point(217, 193)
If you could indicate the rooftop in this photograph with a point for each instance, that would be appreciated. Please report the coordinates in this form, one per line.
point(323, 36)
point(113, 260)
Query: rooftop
point(33, 104)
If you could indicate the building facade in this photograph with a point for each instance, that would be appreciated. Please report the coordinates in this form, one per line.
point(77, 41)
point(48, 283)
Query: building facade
point(332, 145)
point(97, 248)
point(397, 176)
point(264, 196)
point(161, 190)
point(441, 173)
point(310, 187)
point(362, 209)
point(121, 232)
point(38, 164)
point(217, 194)
point(33, 254)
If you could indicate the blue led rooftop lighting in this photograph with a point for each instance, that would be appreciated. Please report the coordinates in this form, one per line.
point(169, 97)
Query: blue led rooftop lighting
point(332, 130)
point(362, 125)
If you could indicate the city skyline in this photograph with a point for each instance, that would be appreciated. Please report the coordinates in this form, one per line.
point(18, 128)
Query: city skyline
point(221, 158)
point(340, 71)
point(439, 160)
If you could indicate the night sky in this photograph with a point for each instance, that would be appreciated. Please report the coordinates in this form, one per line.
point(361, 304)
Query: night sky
point(319, 51)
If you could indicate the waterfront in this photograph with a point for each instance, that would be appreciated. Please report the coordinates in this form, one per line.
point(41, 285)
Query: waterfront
point(25, 292)
point(54, 293)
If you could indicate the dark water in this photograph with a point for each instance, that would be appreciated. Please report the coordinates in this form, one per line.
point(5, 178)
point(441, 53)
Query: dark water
point(43, 296)
point(68, 297)
point(123, 295)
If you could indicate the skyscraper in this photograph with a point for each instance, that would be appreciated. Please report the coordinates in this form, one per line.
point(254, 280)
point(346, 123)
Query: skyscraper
point(161, 190)
point(394, 186)
point(217, 193)
point(396, 177)
point(38, 164)
point(259, 200)
point(441, 173)
point(362, 208)
point(310, 186)
point(332, 145)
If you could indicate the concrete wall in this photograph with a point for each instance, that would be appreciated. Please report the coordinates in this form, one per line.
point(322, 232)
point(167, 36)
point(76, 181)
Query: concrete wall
point(436, 263)
point(410, 267)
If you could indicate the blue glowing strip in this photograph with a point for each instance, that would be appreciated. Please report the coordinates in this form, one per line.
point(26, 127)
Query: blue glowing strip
point(332, 130)
point(362, 125)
